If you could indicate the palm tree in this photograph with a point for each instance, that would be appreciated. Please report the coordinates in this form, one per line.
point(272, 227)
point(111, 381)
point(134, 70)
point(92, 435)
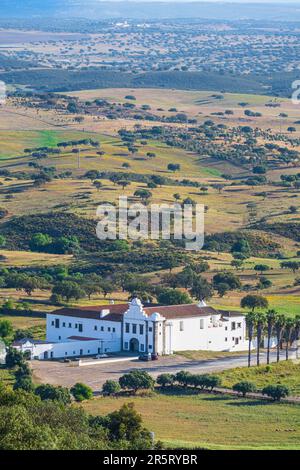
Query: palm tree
point(271, 316)
point(288, 333)
point(279, 327)
point(250, 320)
point(296, 333)
point(260, 324)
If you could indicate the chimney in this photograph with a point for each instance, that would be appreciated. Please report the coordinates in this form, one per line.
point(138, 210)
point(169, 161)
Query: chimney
point(104, 312)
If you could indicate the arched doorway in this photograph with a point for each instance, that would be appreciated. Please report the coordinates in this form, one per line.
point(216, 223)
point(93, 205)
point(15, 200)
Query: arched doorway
point(28, 354)
point(134, 345)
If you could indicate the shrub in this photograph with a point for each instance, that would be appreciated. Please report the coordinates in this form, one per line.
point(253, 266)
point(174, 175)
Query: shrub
point(50, 392)
point(276, 392)
point(183, 378)
point(111, 387)
point(212, 381)
point(24, 383)
point(199, 380)
point(81, 392)
point(13, 358)
point(136, 380)
point(126, 425)
point(165, 379)
point(244, 387)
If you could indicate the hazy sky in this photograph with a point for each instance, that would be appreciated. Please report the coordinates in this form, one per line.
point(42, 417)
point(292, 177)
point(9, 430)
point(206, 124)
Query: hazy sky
point(283, 2)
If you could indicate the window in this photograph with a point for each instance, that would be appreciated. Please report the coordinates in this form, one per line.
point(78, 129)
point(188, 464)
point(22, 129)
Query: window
point(134, 328)
point(239, 325)
point(76, 325)
point(141, 329)
point(102, 328)
point(108, 329)
point(52, 323)
point(150, 329)
point(80, 329)
point(150, 346)
point(114, 330)
point(233, 325)
point(226, 328)
point(226, 339)
point(59, 337)
point(95, 327)
point(64, 325)
point(127, 327)
point(56, 322)
point(142, 347)
point(70, 325)
point(126, 345)
point(181, 326)
point(81, 352)
point(202, 324)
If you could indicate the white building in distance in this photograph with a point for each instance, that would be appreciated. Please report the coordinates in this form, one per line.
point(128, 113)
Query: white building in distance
point(85, 331)
point(2, 352)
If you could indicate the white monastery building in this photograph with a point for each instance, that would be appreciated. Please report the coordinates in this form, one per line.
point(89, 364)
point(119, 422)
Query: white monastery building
point(84, 331)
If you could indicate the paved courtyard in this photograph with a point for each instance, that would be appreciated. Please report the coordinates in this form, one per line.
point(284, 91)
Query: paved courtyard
point(67, 374)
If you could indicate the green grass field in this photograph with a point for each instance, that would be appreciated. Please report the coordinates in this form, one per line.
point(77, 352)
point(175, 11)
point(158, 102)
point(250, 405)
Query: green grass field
point(212, 422)
point(283, 373)
point(226, 211)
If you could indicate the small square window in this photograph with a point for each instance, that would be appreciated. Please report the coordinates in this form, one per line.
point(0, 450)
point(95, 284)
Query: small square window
point(150, 329)
point(64, 325)
point(150, 347)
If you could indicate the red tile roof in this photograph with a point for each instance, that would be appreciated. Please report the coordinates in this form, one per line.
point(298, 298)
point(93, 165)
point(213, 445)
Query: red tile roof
point(93, 312)
point(82, 338)
point(117, 311)
point(181, 311)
